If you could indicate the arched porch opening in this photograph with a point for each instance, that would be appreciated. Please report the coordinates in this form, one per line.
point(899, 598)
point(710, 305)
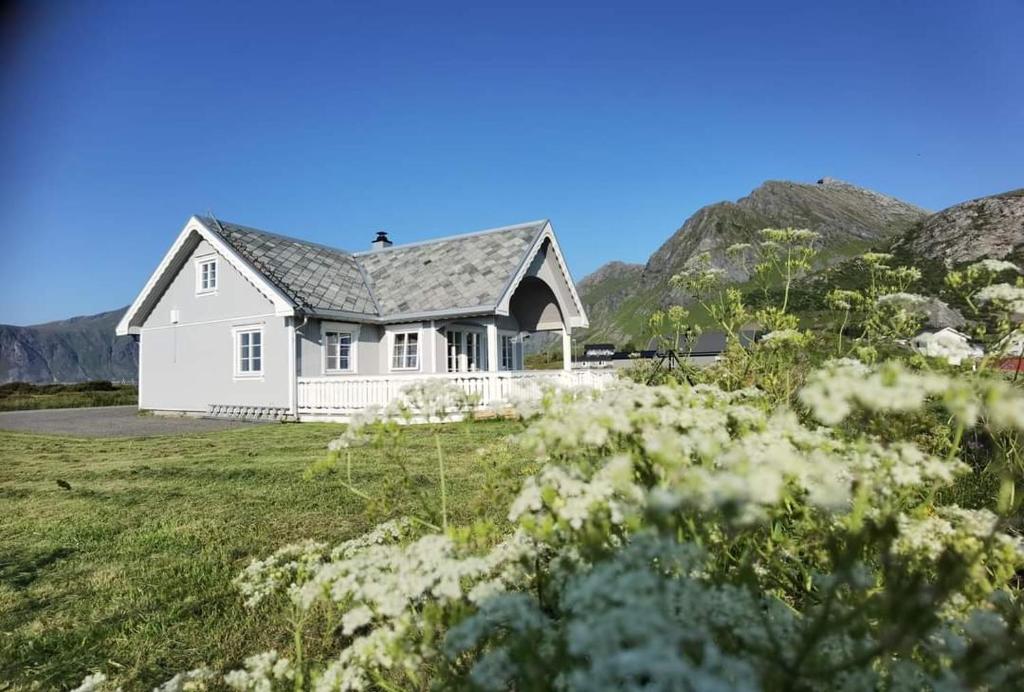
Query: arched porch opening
point(536, 310)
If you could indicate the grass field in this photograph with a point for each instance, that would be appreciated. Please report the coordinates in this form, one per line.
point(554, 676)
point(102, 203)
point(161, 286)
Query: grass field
point(129, 571)
point(20, 396)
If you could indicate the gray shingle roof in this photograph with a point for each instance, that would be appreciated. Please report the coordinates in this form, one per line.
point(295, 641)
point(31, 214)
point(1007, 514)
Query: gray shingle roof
point(467, 271)
point(313, 276)
point(460, 272)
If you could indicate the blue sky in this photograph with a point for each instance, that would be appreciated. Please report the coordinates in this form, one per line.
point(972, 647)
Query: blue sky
point(333, 120)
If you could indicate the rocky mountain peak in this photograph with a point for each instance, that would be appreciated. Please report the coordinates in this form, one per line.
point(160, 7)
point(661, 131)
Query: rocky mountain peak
point(846, 216)
point(849, 218)
point(985, 227)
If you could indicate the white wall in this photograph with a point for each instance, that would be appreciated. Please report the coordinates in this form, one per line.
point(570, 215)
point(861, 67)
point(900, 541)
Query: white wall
point(188, 365)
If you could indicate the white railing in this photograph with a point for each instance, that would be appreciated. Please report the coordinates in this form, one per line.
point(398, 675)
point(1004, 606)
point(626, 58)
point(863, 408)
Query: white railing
point(346, 394)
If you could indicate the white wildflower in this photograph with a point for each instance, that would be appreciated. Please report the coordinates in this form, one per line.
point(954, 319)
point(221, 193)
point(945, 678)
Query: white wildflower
point(994, 266)
point(260, 673)
point(94, 682)
point(910, 303)
point(1003, 296)
point(784, 337)
point(356, 618)
point(191, 681)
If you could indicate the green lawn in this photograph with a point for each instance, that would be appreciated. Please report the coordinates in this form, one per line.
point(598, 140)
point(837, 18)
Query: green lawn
point(129, 571)
point(19, 396)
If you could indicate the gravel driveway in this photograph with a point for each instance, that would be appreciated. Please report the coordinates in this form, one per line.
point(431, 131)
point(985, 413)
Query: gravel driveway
point(107, 421)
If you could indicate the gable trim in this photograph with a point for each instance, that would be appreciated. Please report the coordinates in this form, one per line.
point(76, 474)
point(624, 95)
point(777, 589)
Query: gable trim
point(546, 233)
point(283, 306)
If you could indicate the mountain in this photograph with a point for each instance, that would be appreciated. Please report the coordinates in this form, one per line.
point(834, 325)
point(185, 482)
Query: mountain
point(73, 350)
point(619, 296)
point(850, 219)
point(986, 227)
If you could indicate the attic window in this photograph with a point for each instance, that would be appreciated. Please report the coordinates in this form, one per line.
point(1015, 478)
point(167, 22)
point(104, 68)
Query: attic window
point(206, 275)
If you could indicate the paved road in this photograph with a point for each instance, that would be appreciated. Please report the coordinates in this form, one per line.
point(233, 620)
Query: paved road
point(106, 421)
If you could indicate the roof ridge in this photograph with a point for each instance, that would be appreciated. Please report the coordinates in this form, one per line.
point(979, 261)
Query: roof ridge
point(455, 236)
point(368, 282)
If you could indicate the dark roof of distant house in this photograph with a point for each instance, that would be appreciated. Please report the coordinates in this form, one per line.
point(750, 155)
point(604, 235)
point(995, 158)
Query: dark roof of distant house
point(599, 347)
point(713, 343)
point(467, 272)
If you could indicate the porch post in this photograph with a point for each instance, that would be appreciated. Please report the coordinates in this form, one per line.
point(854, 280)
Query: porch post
point(566, 348)
point(492, 345)
point(293, 371)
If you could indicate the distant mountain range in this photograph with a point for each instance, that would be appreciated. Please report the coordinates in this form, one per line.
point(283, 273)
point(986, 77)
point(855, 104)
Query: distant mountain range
point(619, 296)
point(73, 350)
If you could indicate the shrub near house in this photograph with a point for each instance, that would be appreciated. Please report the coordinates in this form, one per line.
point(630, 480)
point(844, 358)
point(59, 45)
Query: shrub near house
point(16, 396)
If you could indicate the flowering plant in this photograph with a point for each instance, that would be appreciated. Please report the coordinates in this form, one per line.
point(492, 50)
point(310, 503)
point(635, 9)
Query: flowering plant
point(685, 537)
point(782, 524)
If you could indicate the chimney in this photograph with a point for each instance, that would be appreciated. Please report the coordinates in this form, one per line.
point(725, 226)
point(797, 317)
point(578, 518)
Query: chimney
point(381, 241)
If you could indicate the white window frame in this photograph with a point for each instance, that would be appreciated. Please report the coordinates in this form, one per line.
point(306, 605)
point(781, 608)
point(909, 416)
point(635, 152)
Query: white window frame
point(340, 328)
point(502, 340)
point(453, 349)
point(390, 355)
point(463, 350)
point(201, 262)
point(236, 351)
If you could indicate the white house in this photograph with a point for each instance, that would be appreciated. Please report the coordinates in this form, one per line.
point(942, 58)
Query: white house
point(244, 321)
point(947, 343)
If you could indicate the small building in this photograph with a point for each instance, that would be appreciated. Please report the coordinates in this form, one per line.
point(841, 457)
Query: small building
point(948, 344)
point(597, 355)
point(1010, 353)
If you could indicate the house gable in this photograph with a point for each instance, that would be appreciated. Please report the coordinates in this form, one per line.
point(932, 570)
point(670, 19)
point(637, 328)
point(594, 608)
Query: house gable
point(181, 251)
point(183, 301)
point(544, 261)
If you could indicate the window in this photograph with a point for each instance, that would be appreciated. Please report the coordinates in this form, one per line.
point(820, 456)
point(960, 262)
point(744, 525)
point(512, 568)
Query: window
point(454, 350)
point(249, 352)
point(405, 351)
point(206, 275)
point(465, 351)
point(473, 344)
point(337, 351)
point(508, 359)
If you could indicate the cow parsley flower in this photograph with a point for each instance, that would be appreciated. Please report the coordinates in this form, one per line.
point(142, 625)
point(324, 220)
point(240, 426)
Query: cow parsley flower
point(94, 682)
point(910, 303)
point(1003, 296)
point(781, 338)
point(191, 681)
point(260, 673)
point(994, 266)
